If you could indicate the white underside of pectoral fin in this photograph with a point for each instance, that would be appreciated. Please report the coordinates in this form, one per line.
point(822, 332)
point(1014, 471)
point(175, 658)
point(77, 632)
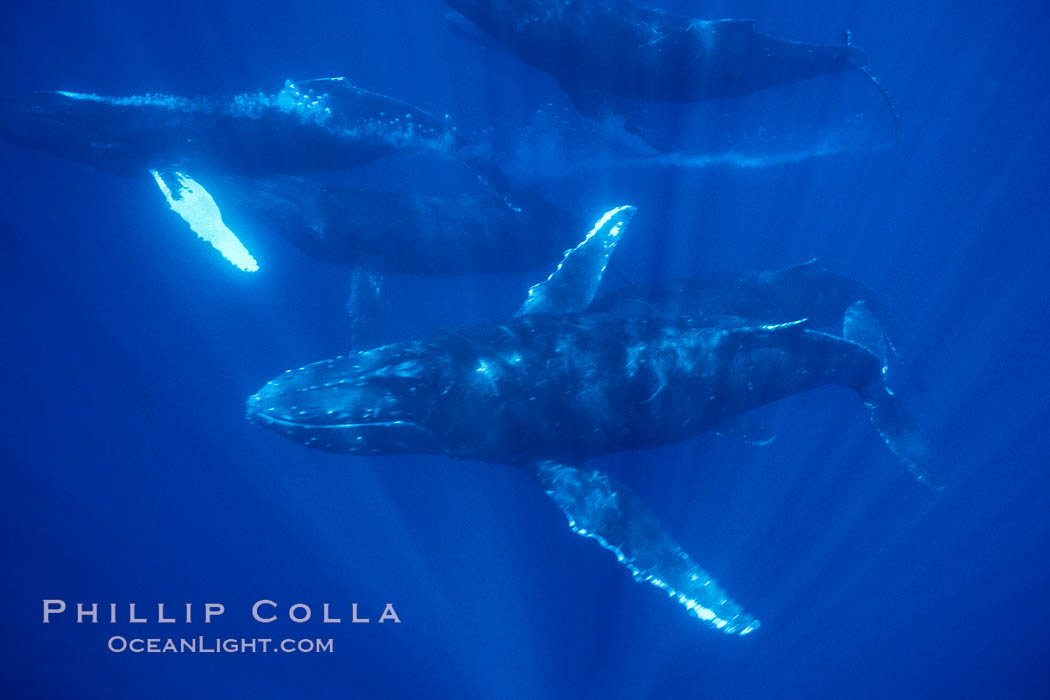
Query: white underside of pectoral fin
point(195, 205)
point(603, 509)
point(574, 282)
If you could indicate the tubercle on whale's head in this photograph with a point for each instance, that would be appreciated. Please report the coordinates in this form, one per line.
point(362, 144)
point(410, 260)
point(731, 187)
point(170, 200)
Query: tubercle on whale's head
point(370, 403)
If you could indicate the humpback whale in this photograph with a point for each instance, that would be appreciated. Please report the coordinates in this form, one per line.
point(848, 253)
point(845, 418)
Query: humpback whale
point(400, 233)
point(801, 291)
point(309, 125)
point(559, 384)
point(601, 50)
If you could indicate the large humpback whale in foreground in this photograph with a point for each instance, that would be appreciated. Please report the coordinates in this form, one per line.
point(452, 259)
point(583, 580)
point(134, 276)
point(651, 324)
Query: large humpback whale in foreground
point(601, 50)
point(558, 385)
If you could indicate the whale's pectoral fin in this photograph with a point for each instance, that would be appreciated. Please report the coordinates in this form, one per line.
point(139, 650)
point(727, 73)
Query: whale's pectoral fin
point(195, 205)
point(170, 182)
point(886, 411)
point(603, 509)
point(573, 284)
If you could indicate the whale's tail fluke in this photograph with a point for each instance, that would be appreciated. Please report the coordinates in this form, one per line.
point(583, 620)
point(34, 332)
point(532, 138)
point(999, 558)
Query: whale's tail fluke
point(860, 63)
point(861, 326)
point(885, 410)
point(900, 432)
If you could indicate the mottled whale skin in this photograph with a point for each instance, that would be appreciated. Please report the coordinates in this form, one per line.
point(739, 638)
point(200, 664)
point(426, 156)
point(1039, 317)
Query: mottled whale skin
point(567, 388)
point(611, 48)
point(311, 125)
point(806, 291)
point(401, 233)
point(560, 384)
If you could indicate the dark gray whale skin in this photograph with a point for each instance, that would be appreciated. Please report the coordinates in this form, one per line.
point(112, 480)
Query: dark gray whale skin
point(548, 392)
point(806, 291)
point(312, 125)
point(566, 388)
point(401, 233)
point(770, 296)
point(611, 48)
point(559, 384)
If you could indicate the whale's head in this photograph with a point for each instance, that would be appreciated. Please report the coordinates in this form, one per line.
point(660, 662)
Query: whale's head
point(101, 131)
point(370, 403)
point(45, 120)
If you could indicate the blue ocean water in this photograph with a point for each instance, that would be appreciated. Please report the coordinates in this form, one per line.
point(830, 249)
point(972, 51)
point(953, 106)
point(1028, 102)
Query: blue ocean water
point(131, 476)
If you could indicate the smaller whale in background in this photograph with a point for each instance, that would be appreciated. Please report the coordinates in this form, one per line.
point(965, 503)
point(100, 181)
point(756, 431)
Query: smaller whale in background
point(561, 383)
point(310, 125)
point(400, 233)
point(601, 50)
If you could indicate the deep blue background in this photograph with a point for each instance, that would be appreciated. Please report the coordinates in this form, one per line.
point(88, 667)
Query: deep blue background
point(129, 348)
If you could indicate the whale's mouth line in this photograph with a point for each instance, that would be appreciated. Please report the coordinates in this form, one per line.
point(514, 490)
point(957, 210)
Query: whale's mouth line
point(270, 420)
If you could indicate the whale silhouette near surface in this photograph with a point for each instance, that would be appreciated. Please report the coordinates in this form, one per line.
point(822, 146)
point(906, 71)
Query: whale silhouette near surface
point(602, 51)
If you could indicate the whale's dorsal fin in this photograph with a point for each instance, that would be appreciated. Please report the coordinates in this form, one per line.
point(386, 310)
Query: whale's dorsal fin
point(573, 284)
point(603, 509)
point(322, 99)
point(345, 99)
point(312, 88)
